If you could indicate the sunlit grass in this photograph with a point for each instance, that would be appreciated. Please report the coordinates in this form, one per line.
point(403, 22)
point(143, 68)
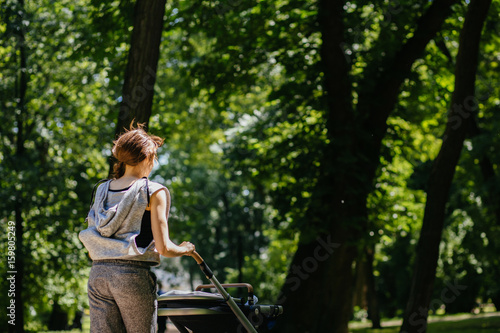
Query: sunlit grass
point(462, 323)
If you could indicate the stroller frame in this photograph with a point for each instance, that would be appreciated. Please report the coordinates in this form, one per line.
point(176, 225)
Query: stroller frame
point(204, 312)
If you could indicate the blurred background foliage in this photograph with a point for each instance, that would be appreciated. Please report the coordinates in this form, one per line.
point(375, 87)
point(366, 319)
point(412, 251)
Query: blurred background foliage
point(239, 98)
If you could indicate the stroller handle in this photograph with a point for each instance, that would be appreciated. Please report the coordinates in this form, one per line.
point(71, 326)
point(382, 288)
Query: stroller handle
point(229, 300)
point(232, 285)
point(203, 266)
point(197, 257)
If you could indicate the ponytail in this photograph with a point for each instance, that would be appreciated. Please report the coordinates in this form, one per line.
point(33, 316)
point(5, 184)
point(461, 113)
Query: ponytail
point(118, 169)
point(132, 147)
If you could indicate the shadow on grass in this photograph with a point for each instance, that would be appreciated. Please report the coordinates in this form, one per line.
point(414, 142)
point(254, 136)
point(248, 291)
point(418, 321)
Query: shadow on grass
point(462, 323)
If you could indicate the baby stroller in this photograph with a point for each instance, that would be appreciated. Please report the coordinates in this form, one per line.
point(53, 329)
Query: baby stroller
point(207, 312)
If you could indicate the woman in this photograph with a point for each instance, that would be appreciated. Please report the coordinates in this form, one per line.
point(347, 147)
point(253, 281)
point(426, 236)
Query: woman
point(127, 232)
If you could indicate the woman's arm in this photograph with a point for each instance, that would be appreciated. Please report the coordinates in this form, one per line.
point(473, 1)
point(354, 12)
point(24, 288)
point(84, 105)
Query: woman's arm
point(160, 207)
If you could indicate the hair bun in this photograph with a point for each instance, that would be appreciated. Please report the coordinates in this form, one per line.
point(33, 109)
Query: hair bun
point(133, 147)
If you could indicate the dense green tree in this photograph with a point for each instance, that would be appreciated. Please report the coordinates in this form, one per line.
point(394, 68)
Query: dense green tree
point(318, 142)
point(414, 131)
point(289, 125)
point(53, 102)
point(212, 204)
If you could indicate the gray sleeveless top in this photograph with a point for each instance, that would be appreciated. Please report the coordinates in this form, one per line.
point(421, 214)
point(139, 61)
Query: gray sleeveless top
point(114, 222)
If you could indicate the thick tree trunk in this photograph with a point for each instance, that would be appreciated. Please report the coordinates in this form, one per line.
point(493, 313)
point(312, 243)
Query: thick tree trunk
point(318, 290)
point(317, 293)
point(140, 74)
point(459, 119)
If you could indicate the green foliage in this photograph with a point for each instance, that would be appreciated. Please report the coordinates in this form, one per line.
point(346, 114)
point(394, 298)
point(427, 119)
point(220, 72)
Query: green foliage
point(267, 269)
point(277, 130)
point(279, 142)
point(51, 147)
point(412, 137)
point(211, 203)
point(262, 155)
point(240, 100)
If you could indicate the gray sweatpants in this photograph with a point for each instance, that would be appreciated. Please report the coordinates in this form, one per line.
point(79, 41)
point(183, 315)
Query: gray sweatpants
point(122, 297)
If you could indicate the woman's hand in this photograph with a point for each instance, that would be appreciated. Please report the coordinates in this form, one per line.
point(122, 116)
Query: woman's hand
point(188, 247)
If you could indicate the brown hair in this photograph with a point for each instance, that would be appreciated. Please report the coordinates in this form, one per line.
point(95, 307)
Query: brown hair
point(133, 147)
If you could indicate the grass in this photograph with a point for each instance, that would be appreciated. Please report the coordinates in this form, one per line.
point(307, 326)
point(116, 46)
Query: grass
point(463, 323)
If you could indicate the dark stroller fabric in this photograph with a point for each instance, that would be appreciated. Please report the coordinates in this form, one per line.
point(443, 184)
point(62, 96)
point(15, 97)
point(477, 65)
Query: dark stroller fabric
point(203, 312)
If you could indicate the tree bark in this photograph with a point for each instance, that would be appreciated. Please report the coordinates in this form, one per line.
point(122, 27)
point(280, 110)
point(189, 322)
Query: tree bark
point(58, 320)
point(19, 269)
point(359, 297)
point(373, 308)
point(140, 74)
point(317, 294)
point(365, 292)
point(459, 120)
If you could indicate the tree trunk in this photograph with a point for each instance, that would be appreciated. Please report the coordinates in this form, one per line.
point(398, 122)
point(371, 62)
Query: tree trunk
point(58, 320)
point(373, 308)
point(360, 283)
point(415, 318)
point(317, 294)
point(364, 292)
point(140, 74)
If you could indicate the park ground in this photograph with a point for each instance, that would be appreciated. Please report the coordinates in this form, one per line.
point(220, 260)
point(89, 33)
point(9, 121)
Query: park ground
point(459, 323)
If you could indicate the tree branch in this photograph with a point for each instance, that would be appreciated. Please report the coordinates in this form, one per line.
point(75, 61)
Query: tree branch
point(381, 88)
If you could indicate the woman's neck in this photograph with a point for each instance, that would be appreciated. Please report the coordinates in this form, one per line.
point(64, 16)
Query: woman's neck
point(136, 171)
point(132, 175)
